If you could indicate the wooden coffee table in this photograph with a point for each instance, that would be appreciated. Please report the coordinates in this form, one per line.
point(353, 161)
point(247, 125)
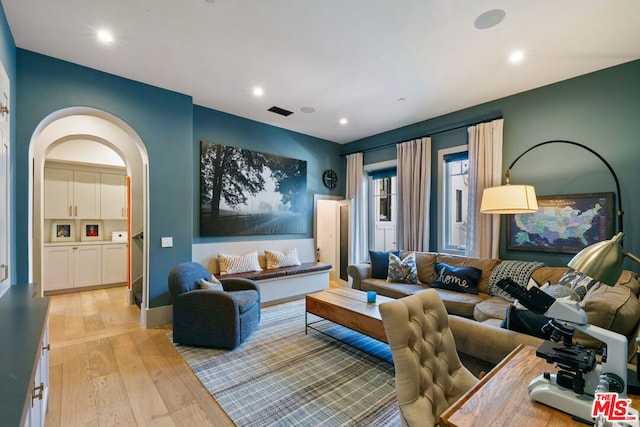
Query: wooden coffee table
point(347, 307)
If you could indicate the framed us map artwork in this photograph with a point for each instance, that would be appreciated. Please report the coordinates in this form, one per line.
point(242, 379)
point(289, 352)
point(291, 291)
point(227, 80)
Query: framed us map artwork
point(563, 224)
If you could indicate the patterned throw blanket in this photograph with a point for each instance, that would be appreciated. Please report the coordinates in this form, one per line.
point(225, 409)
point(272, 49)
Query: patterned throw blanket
point(518, 271)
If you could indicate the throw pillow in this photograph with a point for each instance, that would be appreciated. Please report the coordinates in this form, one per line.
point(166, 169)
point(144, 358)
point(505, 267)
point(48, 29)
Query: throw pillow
point(578, 282)
point(277, 259)
point(380, 263)
point(212, 284)
point(231, 264)
point(561, 291)
point(459, 279)
point(402, 271)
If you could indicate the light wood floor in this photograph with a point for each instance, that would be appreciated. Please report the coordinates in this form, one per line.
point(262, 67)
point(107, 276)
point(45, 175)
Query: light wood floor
point(107, 370)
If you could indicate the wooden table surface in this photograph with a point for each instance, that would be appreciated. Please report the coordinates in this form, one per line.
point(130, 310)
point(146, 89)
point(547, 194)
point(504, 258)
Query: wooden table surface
point(349, 307)
point(501, 398)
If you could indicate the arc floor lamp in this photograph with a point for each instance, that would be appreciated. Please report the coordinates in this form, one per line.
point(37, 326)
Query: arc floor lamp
point(601, 261)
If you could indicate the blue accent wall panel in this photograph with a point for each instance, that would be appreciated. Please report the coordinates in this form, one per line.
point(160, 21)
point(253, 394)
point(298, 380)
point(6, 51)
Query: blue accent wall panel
point(163, 120)
point(599, 110)
point(227, 129)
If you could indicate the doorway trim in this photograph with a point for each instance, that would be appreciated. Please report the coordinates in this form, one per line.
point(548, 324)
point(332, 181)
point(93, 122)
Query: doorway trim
point(109, 130)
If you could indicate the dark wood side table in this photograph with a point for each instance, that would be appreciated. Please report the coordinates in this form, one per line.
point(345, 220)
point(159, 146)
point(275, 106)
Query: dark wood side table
point(501, 397)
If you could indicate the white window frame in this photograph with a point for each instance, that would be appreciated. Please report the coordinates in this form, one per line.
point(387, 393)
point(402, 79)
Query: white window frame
point(371, 221)
point(442, 153)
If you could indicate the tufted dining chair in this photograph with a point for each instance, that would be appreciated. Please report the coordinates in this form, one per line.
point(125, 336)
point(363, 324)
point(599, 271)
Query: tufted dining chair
point(429, 374)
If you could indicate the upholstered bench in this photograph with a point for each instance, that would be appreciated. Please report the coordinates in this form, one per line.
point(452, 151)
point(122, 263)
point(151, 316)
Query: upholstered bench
point(276, 284)
point(284, 283)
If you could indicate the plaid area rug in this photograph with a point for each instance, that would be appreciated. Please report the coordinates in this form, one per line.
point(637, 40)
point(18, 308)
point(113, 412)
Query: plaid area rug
point(281, 377)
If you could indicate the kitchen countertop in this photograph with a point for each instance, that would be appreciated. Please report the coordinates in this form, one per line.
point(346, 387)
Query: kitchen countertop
point(23, 316)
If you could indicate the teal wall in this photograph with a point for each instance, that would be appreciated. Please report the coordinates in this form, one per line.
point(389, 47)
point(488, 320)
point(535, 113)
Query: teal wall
point(600, 110)
point(8, 58)
point(226, 129)
point(171, 128)
point(162, 119)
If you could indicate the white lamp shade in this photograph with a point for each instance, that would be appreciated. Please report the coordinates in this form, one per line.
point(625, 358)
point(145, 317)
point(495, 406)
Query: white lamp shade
point(509, 199)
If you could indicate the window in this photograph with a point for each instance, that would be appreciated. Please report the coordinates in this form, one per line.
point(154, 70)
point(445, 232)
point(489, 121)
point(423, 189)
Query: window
point(384, 198)
point(453, 191)
point(382, 207)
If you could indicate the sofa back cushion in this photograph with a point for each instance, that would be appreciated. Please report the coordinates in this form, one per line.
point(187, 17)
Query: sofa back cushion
point(549, 274)
point(425, 265)
point(485, 264)
point(611, 307)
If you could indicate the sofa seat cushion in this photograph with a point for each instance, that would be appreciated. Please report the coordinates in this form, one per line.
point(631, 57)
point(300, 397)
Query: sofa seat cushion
point(391, 290)
point(491, 308)
point(459, 303)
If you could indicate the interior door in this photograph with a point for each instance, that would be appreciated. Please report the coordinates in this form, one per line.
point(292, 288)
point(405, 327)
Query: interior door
point(332, 235)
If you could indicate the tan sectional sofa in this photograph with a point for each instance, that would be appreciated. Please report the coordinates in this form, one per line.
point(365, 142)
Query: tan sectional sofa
point(475, 319)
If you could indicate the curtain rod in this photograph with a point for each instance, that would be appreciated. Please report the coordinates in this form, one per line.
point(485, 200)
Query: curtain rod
point(438, 132)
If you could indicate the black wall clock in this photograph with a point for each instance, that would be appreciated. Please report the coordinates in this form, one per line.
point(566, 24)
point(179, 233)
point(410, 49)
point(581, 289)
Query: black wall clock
point(329, 179)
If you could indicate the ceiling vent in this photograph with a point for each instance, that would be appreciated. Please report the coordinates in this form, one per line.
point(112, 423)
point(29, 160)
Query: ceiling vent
point(280, 111)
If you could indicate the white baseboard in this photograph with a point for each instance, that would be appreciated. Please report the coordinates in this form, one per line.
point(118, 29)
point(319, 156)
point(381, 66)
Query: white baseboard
point(158, 316)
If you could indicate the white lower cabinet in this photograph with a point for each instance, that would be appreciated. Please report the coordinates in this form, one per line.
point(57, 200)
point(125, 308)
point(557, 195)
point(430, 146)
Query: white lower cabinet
point(72, 266)
point(39, 398)
point(114, 263)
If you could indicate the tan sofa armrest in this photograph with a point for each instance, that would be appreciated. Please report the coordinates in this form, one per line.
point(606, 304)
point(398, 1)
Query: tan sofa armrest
point(359, 272)
point(486, 342)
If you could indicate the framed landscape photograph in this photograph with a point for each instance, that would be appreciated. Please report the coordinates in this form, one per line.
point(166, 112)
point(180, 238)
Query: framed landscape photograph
point(91, 230)
point(245, 192)
point(563, 224)
point(62, 232)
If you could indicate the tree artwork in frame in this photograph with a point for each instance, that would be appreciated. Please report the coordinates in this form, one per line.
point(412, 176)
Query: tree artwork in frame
point(245, 192)
point(91, 230)
point(563, 224)
point(62, 231)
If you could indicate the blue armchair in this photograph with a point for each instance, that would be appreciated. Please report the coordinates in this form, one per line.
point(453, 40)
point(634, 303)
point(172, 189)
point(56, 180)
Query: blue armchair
point(210, 318)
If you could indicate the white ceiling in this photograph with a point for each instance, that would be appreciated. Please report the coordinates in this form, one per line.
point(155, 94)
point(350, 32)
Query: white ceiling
point(344, 58)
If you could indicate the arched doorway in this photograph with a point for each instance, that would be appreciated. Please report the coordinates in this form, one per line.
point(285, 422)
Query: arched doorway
point(102, 128)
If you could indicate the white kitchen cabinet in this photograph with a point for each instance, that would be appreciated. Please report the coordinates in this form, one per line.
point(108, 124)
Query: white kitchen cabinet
point(71, 194)
point(113, 194)
point(58, 268)
point(72, 266)
point(40, 394)
point(114, 263)
point(58, 193)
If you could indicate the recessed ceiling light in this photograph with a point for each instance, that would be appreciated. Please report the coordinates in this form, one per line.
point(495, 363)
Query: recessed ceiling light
point(258, 91)
point(489, 19)
point(516, 56)
point(344, 121)
point(105, 36)
point(308, 110)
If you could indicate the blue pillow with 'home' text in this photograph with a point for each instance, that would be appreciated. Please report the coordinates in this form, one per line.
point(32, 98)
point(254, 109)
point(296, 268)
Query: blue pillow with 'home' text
point(459, 279)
